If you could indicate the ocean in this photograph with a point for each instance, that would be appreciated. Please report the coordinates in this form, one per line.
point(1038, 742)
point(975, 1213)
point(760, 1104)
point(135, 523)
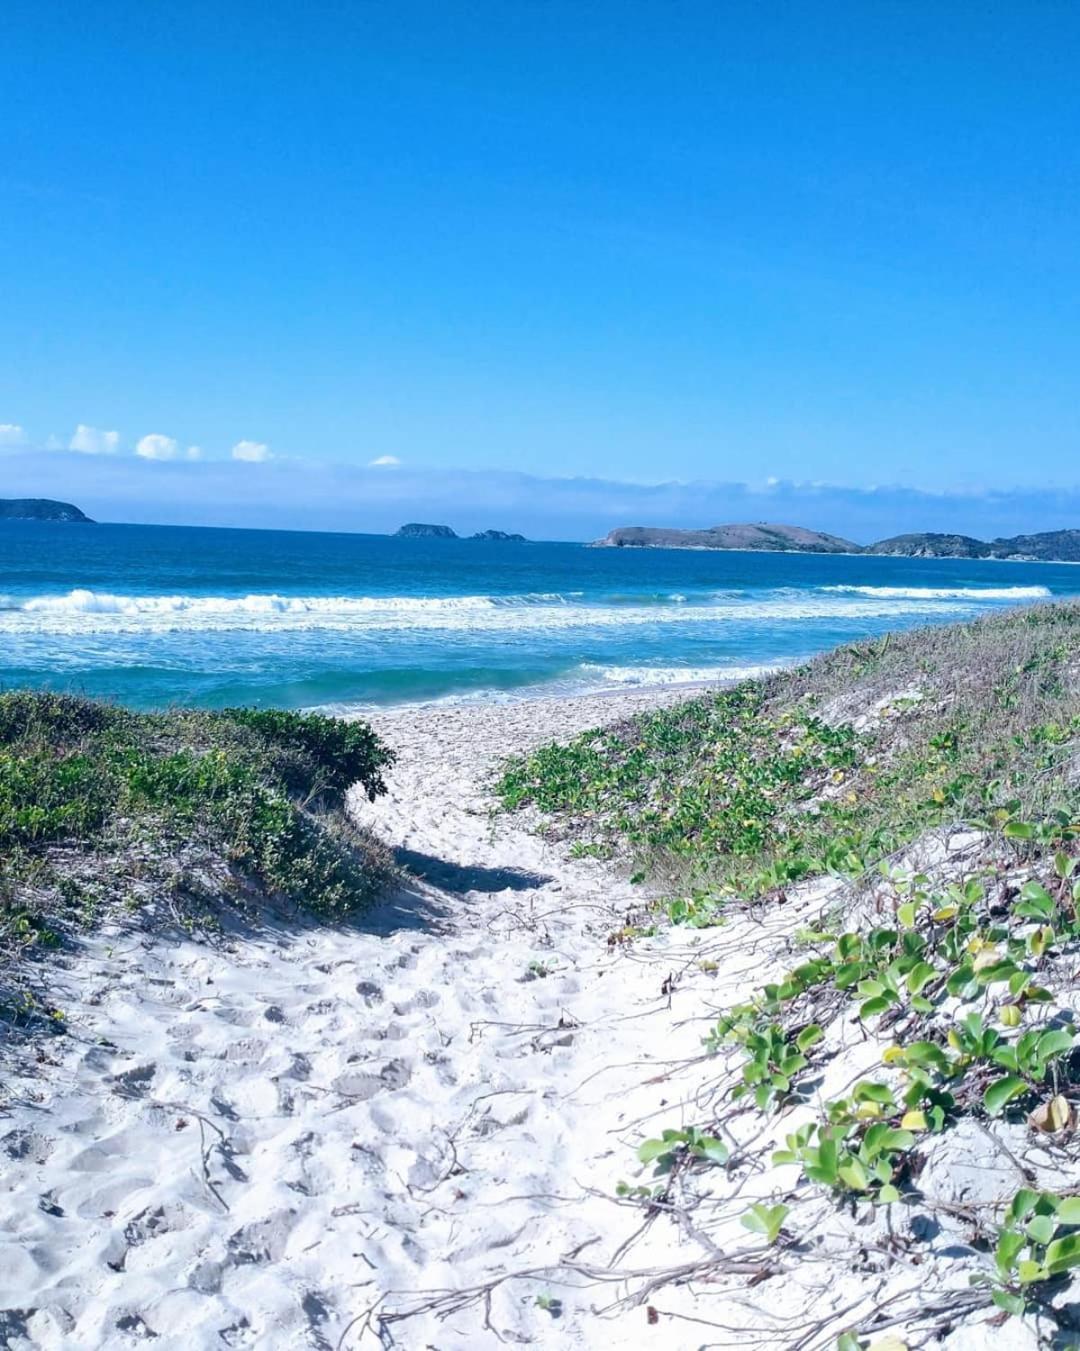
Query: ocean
point(154, 616)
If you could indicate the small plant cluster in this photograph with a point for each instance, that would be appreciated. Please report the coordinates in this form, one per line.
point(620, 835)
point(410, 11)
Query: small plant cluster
point(263, 790)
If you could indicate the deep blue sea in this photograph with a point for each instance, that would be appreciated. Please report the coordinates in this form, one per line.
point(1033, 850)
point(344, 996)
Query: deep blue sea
point(160, 615)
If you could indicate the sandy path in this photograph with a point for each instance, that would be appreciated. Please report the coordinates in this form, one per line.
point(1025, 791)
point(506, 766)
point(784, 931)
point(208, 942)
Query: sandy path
point(249, 1144)
point(411, 1134)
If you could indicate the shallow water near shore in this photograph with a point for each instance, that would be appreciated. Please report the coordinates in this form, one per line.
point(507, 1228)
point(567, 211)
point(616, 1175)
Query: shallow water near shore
point(158, 615)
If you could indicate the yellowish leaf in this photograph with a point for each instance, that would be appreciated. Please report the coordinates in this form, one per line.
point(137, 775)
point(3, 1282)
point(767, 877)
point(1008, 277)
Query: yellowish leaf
point(913, 1121)
point(1052, 1116)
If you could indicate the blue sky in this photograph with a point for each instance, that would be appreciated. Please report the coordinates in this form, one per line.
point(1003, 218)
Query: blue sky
point(814, 243)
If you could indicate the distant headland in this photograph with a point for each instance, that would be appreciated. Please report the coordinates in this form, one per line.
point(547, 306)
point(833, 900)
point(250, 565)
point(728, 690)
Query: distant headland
point(420, 530)
point(40, 509)
point(1051, 546)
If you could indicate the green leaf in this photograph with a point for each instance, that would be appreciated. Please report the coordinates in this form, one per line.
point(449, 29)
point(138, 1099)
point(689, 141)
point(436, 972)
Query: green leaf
point(854, 1175)
point(712, 1149)
point(1068, 1211)
point(927, 1053)
point(1013, 1304)
point(1040, 1229)
point(920, 976)
point(1022, 1204)
point(1009, 1245)
point(872, 1007)
point(1054, 1043)
point(1019, 830)
point(888, 1195)
point(1062, 1254)
point(898, 1139)
point(1028, 1271)
point(1036, 894)
point(651, 1150)
point(1001, 1092)
point(869, 1090)
point(809, 1036)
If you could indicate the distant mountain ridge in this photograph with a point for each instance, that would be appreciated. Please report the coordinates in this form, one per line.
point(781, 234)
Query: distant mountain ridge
point(40, 509)
point(1051, 546)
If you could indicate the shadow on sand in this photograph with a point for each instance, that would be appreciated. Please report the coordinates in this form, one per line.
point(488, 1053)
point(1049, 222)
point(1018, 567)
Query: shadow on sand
point(461, 877)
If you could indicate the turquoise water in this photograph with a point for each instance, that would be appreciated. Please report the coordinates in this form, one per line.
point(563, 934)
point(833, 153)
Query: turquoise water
point(157, 615)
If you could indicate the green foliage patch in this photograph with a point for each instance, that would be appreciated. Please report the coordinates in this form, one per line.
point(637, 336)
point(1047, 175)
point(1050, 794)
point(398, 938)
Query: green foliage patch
point(93, 799)
point(746, 791)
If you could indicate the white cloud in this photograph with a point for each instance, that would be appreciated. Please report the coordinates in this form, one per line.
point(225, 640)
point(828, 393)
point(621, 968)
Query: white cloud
point(254, 452)
point(154, 446)
point(11, 435)
point(92, 441)
point(194, 452)
point(387, 461)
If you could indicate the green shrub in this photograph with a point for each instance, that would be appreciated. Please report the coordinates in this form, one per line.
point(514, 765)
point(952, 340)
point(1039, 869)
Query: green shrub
point(94, 800)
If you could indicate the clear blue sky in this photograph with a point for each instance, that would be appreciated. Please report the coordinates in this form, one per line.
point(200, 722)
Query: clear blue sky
point(638, 241)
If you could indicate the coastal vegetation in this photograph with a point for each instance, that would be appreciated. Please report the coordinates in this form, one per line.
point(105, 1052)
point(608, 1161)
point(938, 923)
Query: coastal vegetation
point(102, 808)
point(916, 801)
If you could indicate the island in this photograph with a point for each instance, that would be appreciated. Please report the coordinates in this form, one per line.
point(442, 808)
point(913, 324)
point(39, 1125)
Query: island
point(762, 536)
point(930, 546)
point(1050, 546)
point(420, 530)
point(41, 509)
point(499, 537)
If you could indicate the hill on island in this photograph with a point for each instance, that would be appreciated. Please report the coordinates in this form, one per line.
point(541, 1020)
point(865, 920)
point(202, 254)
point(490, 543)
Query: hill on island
point(421, 530)
point(764, 535)
point(40, 509)
point(1050, 546)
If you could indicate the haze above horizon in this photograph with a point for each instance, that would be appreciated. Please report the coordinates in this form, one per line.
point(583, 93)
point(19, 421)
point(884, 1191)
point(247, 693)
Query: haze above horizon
point(553, 266)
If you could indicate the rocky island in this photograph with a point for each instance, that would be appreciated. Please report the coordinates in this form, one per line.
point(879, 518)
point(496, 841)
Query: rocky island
point(1050, 546)
point(40, 509)
point(420, 530)
point(764, 535)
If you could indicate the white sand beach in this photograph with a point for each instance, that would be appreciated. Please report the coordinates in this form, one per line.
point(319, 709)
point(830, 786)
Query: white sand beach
point(411, 1133)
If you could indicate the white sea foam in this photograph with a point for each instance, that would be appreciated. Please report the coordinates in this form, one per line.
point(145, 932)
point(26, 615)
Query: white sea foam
point(943, 592)
point(677, 675)
point(85, 611)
